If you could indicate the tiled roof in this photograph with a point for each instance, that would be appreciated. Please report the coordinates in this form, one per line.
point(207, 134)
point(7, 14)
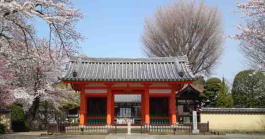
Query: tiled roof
point(189, 91)
point(233, 110)
point(129, 69)
point(198, 88)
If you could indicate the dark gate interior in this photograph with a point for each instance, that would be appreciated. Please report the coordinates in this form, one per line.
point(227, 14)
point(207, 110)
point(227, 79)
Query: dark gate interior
point(97, 109)
point(159, 110)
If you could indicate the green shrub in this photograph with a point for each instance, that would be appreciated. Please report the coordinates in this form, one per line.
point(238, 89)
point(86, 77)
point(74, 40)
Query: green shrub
point(2, 128)
point(18, 119)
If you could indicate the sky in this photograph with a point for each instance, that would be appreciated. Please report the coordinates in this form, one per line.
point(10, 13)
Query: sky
point(113, 28)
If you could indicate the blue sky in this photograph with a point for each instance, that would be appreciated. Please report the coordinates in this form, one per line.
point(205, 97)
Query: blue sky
point(113, 28)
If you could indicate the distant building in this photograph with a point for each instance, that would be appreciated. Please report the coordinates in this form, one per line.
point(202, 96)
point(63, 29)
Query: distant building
point(72, 115)
point(188, 100)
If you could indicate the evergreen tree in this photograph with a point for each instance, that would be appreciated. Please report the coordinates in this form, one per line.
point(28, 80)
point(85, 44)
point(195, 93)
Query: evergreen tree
point(199, 81)
point(224, 98)
point(216, 94)
point(209, 96)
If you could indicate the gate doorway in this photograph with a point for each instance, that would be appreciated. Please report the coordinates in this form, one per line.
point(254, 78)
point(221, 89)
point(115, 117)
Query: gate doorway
point(127, 108)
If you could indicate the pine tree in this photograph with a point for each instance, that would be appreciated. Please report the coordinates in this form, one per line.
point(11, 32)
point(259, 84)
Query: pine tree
point(216, 94)
point(224, 98)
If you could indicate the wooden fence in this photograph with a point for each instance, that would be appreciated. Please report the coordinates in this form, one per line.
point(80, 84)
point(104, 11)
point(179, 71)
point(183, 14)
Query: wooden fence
point(148, 129)
point(167, 129)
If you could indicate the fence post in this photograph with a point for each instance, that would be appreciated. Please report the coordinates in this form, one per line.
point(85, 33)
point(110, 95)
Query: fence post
point(116, 128)
point(82, 130)
point(148, 126)
point(141, 129)
point(208, 127)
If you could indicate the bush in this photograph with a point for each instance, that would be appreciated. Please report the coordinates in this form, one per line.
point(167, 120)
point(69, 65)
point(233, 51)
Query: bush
point(18, 119)
point(2, 128)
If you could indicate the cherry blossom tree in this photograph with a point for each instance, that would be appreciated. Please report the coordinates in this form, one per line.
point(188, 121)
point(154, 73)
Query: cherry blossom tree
point(252, 34)
point(35, 76)
point(6, 96)
point(35, 63)
point(248, 89)
point(16, 15)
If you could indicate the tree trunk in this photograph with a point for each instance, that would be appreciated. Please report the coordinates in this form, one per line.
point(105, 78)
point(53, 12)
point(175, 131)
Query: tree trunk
point(46, 114)
point(33, 111)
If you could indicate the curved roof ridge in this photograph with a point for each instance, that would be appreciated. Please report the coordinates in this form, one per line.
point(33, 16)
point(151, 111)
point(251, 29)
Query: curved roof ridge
point(116, 59)
point(129, 69)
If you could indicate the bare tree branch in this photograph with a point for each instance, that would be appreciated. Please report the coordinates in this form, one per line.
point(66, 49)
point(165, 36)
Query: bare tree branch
point(185, 28)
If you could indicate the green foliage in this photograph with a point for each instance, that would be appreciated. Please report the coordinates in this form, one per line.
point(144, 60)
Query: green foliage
point(17, 113)
point(216, 94)
point(18, 119)
point(74, 103)
point(224, 98)
point(249, 89)
point(69, 106)
point(212, 86)
point(2, 128)
point(75, 99)
point(63, 86)
point(199, 81)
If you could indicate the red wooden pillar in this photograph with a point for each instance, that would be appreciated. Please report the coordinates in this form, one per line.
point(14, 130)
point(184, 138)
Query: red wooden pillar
point(112, 108)
point(172, 107)
point(142, 108)
point(109, 107)
point(83, 110)
point(146, 106)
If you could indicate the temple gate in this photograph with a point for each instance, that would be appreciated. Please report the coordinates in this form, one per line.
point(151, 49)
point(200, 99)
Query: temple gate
point(139, 90)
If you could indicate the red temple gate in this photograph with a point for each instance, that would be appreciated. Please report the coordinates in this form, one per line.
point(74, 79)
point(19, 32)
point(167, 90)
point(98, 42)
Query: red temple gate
point(99, 79)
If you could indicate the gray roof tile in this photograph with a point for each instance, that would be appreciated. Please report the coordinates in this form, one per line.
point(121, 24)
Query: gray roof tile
point(129, 69)
point(233, 110)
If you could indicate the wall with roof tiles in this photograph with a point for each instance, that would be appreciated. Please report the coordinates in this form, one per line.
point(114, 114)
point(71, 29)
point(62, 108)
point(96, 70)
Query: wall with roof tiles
point(234, 121)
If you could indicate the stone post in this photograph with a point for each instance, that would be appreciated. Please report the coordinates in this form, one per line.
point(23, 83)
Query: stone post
point(129, 127)
point(194, 123)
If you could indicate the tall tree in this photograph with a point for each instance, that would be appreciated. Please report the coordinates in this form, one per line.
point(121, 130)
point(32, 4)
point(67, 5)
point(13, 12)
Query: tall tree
point(6, 97)
point(17, 16)
point(35, 62)
point(252, 35)
point(249, 89)
point(216, 94)
point(224, 97)
point(211, 90)
point(185, 28)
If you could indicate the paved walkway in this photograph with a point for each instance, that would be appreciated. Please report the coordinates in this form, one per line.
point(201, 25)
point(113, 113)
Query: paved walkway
point(230, 136)
point(36, 135)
